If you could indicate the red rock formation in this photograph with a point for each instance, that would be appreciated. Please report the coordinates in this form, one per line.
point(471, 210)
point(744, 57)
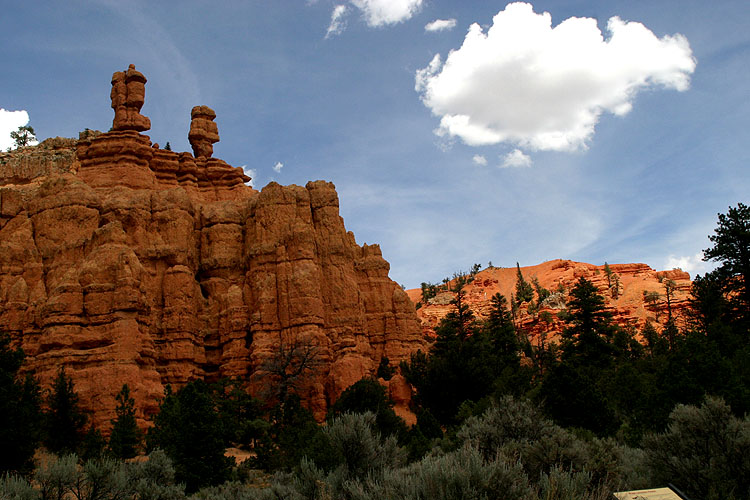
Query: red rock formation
point(131, 264)
point(128, 94)
point(627, 304)
point(203, 131)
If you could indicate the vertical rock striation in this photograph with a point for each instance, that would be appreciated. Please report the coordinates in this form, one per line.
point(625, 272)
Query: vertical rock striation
point(127, 263)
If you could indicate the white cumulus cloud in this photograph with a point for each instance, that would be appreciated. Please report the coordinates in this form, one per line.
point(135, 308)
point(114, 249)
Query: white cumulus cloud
point(692, 264)
point(479, 160)
point(338, 23)
point(277, 168)
point(516, 158)
point(541, 87)
point(383, 12)
point(440, 25)
point(250, 172)
point(9, 122)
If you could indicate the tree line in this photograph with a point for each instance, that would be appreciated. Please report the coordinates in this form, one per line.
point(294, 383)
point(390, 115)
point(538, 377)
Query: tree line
point(598, 411)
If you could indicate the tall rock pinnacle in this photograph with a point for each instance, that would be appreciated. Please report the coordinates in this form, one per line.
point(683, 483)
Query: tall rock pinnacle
point(128, 94)
point(203, 131)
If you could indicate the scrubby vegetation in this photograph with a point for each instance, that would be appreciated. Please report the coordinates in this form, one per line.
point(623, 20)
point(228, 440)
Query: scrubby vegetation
point(599, 412)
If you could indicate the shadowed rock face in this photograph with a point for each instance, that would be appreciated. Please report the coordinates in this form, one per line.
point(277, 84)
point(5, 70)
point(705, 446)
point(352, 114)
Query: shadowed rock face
point(126, 263)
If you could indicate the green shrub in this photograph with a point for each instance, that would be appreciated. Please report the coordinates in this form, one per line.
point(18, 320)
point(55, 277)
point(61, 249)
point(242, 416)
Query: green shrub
point(359, 446)
point(509, 420)
point(562, 484)
point(705, 451)
point(458, 475)
point(13, 487)
point(154, 479)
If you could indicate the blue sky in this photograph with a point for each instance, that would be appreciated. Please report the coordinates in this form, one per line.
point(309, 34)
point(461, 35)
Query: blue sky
point(537, 138)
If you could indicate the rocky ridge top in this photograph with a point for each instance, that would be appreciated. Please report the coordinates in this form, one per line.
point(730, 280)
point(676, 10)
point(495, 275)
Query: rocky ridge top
point(625, 300)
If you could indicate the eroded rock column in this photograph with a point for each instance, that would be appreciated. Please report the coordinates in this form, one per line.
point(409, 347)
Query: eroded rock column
point(128, 94)
point(203, 131)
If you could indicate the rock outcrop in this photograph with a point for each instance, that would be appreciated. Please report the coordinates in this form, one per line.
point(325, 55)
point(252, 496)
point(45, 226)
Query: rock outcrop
point(126, 263)
point(128, 95)
point(624, 295)
point(203, 131)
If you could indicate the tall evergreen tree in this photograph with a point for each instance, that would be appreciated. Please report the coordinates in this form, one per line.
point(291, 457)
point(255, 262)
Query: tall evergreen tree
point(608, 273)
point(524, 290)
point(19, 412)
point(188, 429)
point(501, 331)
point(65, 421)
point(590, 332)
point(572, 391)
point(731, 247)
point(541, 292)
point(708, 305)
point(125, 437)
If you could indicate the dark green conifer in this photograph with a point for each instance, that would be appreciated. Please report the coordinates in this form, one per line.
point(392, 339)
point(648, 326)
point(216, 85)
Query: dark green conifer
point(188, 429)
point(19, 412)
point(65, 421)
point(125, 437)
point(524, 290)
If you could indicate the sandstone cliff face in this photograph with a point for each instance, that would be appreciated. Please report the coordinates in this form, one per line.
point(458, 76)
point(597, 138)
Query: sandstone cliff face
point(627, 305)
point(126, 263)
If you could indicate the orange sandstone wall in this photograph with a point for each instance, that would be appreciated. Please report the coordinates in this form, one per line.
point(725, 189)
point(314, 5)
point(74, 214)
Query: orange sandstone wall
point(126, 263)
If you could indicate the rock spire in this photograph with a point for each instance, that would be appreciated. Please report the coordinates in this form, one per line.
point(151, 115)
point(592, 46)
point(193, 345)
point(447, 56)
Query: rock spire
point(128, 94)
point(203, 131)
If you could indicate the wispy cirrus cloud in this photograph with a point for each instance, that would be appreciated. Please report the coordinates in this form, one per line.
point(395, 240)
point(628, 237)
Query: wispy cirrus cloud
point(338, 23)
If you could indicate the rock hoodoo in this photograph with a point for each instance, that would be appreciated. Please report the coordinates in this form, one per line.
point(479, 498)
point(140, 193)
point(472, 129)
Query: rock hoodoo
point(203, 131)
point(126, 263)
point(128, 95)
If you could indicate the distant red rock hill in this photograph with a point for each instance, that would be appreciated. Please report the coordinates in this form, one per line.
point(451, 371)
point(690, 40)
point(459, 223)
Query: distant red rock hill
point(626, 300)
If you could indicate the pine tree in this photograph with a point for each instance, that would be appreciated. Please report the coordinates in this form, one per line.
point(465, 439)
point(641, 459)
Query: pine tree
point(188, 429)
point(462, 314)
point(24, 136)
point(501, 331)
point(65, 421)
point(125, 437)
point(608, 273)
point(19, 412)
point(524, 290)
point(590, 331)
point(541, 292)
point(731, 247)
